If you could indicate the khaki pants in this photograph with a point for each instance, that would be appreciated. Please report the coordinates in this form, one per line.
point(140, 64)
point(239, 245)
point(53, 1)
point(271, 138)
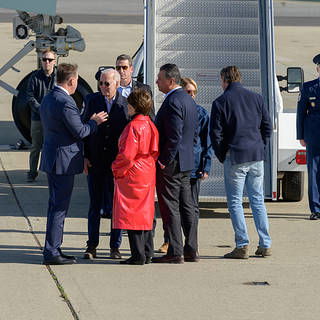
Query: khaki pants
point(37, 140)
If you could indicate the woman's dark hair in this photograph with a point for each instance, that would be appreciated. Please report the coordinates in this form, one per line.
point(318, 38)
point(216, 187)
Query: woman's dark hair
point(141, 101)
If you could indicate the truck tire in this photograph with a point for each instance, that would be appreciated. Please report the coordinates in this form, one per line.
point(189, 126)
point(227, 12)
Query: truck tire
point(21, 110)
point(292, 186)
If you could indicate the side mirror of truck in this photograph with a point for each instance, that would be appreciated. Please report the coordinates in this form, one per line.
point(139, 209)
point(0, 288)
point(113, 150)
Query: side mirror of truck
point(295, 79)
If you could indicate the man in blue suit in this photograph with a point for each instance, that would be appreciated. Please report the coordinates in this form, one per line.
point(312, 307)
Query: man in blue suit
point(62, 155)
point(177, 122)
point(308, 132)
point(240, 127)
point(100, 151)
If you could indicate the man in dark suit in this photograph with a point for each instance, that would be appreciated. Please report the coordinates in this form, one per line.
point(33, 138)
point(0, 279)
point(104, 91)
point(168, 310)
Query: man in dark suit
point(177, 122)
point(62, 155)
point(127, 84)
point(100, 151)
point(240, 127)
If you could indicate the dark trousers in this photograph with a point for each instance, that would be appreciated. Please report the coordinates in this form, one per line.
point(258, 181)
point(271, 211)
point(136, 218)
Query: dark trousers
point(177, 209)
point(37, 140)
point(60, 190)
point(100, 185)
point(141, 244)
point(313, 165)
point(195, 191)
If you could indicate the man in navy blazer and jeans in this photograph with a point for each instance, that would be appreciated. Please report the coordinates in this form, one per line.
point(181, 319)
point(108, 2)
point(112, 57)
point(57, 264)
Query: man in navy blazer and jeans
point(177, 122)
point(62, 155)
point(240, 127)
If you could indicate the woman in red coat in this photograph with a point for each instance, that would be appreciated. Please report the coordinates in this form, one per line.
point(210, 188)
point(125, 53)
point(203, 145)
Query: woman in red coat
point(134, 171)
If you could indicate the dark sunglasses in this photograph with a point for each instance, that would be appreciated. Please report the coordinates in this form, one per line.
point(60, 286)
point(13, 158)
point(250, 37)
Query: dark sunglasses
point(191, 91)
point(104, 83)
point(47, 59)
point(122, 67)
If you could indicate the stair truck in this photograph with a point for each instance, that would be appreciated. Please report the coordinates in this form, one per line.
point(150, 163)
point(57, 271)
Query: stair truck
point(202, 37)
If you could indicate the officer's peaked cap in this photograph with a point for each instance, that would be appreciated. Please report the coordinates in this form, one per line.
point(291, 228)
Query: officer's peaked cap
point(100, 69)
point(316, 59)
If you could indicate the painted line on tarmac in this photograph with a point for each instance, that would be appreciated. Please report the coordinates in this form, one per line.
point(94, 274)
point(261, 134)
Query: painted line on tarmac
point(52, 274)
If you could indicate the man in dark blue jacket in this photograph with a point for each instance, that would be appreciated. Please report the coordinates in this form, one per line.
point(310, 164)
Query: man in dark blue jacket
point(202, 153)
point(62, 155)
point(308, 132)
point(100, 151)
point(177, 122)
point(240, 127)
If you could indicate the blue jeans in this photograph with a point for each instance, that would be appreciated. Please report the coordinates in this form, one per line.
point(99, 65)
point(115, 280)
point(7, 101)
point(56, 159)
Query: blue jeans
point(249, 174)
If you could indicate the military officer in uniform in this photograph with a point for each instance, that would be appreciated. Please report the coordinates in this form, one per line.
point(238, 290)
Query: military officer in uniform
point(308, 132)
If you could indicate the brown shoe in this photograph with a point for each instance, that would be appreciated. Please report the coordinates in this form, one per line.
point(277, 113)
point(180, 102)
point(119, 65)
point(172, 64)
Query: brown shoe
point(168, 259)
point(115, 253)
point(238, 253)
point(90, 253)
point(163, 248)
point(265, 252)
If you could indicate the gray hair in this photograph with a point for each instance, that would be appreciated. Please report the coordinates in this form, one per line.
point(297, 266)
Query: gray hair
point(116, 75)
point(171, 71)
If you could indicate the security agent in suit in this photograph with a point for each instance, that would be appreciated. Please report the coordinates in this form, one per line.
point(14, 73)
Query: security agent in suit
point(308, 132)
point(177, 122)
point(62, 155)
point(127, 84)
point(100, 151)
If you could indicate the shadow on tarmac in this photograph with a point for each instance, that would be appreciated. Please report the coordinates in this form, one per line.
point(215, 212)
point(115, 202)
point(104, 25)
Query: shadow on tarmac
point(33, 199)
point(33, 255)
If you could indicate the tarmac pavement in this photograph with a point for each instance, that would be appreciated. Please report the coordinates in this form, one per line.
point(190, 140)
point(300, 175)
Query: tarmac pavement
point(214, 288)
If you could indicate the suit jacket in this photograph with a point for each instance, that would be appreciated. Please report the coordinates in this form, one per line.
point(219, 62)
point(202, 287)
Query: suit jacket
point(177, 122)
point(101, 148)
point(240, 122)
point(63, 131)
point(308, 115)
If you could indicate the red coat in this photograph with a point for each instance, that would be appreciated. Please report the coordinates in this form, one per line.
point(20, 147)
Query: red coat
point(134, 171)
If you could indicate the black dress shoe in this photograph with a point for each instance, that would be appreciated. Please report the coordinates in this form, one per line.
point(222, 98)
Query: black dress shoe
point(106, 215)
point(168, 259)
point(191, 258)
point(132, 262)
point(315, 216)
point(58, 260)
point(31, 176)
point(66, 256)
point(148, 260)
